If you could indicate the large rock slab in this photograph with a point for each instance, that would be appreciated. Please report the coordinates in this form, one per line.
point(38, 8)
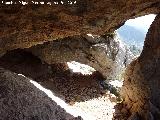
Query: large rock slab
point(21, 100)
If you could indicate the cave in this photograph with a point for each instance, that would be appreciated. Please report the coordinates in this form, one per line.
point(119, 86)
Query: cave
point(37, 41)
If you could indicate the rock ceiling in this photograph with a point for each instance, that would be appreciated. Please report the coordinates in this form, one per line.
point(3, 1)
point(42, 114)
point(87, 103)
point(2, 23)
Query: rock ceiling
point(28, 25)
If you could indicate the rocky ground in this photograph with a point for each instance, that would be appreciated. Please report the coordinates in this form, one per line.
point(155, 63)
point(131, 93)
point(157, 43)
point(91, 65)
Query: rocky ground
point(81, 93)
point(101, 108)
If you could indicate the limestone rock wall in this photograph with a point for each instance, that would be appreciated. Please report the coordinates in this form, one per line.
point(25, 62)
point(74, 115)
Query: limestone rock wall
point(141, 89)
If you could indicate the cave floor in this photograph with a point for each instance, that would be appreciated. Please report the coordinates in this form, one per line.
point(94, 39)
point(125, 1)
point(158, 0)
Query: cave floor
point(81, 93)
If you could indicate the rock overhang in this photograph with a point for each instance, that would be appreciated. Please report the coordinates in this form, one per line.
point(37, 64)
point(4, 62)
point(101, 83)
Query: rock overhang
point(23, 26)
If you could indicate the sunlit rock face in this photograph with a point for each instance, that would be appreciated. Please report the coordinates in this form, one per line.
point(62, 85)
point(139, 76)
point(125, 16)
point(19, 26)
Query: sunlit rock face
point(29, 25)
point(21, 100)
point(141, 90)
point(106, 54)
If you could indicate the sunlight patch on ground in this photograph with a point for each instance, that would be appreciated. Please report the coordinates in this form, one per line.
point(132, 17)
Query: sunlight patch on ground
point(80, 68)
point(95, 109)
point(68, 108)
point(100, 108)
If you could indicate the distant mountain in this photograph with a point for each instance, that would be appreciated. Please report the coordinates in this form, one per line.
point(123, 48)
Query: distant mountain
point(132, 36)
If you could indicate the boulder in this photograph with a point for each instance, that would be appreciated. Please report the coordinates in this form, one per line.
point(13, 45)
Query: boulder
point(20, 99)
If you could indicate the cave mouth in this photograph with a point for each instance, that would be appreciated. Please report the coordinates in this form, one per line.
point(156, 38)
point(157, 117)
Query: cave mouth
point(134, 31)
point(132, 36)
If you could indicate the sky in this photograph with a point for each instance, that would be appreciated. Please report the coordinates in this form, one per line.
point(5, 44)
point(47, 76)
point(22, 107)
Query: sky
point(142, 23)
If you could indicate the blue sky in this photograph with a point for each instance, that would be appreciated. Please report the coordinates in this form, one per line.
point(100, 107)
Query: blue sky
point(142, 23)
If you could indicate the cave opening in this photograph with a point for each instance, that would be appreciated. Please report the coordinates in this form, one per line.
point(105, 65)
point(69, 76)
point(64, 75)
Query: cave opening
point(134, 31)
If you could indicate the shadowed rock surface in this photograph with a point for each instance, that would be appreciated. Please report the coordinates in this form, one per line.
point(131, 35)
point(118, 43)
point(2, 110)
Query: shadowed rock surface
point(69, 86)
point(21, 100)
